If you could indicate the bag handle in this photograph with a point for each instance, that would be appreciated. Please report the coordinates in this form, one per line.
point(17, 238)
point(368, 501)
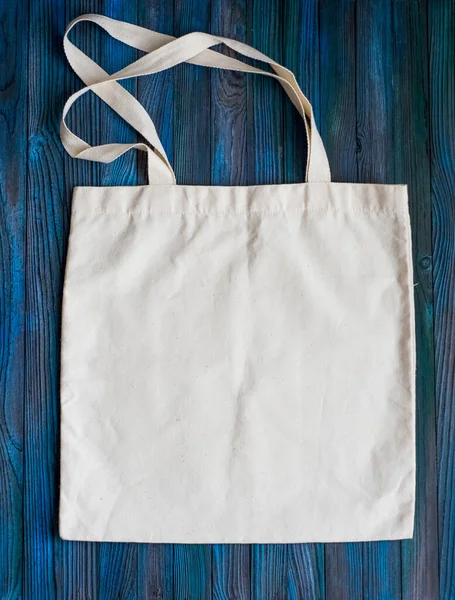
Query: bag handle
point(164, 52)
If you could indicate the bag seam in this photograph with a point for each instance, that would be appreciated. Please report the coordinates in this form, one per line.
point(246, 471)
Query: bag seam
point(234, 214)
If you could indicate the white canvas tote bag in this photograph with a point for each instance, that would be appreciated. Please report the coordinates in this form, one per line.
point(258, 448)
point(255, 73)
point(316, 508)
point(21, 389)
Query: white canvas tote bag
point(237, 362)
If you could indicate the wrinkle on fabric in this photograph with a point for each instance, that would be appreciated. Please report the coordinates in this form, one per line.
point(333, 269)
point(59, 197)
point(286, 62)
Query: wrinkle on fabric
point(238, 365)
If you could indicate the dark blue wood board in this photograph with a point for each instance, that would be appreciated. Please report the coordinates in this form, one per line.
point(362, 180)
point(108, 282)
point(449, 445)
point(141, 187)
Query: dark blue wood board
point(46, 225)
point(13, 160)
point(230, 562)
point(79, 561)
point(411, 161)
point(191, 126)
point(380, 75)
point(265, 165)
point(156, 561)
point(441, 29)
point(118, 563)
point(343, 562)
point(381, 561)
point(305, 562)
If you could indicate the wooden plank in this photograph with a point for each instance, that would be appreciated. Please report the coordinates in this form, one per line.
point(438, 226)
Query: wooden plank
point(192, 572)
point(381, 560)
point(442, 123)
point(118, 563)
point(305, 576)
point(76, 571)
point(306, 571)
point(192, 149)
point(269, 571)
point(337, 34)
point(412, 166)
point(156, 563)
point(229, 101)
point(114, 56)
point(265, 165)
point(77, 562)
point(192, 165)
point(231, 572)
point(156, 93)
point(373, 89)
point(301, 56)
point(344, 571)
point(47, 220)
point(230, 562)
point(13, 166)
point(87, 37)
point(118, 571)
point(265, 96)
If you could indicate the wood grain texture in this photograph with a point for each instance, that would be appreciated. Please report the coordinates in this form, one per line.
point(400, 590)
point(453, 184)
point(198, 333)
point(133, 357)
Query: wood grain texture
point(265, 165)
point(192, 572)
point(305, 562)
point(265, 96)
point(192, 102)
point(78, 567)
point(337, 42)
point(411, 160)
point(115, 56)
point(156, 93)
point(305, 571)
point(380, 75)
point(192, 117)
point(118, 563)
point(47, 220)
point(13, 165)
point(156, 571)
point(344, 571)
point(229, 100)
point(118, 571)
point(231, 572)
point(301, 56)
point(269, 571)
point(442, 123)
point(230, 562)
point(381, 561)
point(337, 58)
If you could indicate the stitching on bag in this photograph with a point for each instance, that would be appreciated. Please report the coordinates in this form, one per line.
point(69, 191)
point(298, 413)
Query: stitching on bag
point(380, 213)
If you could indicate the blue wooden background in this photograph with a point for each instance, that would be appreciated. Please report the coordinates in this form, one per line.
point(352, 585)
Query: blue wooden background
point(380, 74)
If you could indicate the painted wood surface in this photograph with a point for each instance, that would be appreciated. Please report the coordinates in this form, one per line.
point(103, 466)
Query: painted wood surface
point(13, 193)
point(380, 75)
point(441, 36)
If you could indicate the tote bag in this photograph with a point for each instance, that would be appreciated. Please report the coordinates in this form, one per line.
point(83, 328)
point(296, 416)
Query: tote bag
point(237, 363)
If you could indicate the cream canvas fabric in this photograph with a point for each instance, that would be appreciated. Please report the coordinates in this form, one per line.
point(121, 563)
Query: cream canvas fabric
point(237, 362)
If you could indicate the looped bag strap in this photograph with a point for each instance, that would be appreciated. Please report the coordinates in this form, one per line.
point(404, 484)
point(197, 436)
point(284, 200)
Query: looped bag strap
point(164, 52)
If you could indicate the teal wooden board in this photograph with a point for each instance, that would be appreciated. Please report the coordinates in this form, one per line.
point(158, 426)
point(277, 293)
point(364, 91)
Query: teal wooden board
point(441, 40)
point(380, 75)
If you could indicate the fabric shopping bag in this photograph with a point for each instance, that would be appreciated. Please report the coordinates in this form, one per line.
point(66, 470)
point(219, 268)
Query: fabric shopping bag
point(237, 363)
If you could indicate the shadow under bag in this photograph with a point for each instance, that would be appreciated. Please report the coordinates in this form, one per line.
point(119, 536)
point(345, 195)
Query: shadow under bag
point(238, 363)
